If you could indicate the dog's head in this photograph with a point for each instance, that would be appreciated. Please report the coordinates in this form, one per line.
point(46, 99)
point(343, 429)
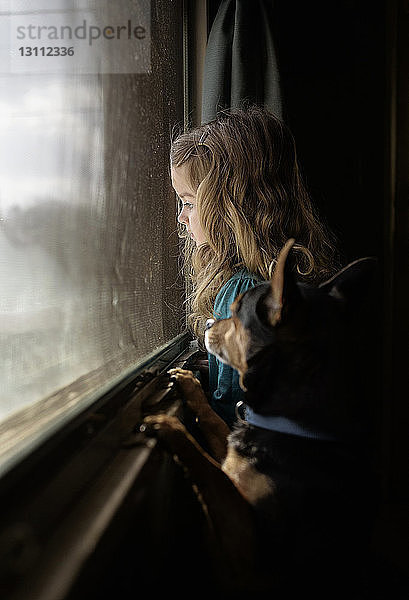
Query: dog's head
point(286, 331)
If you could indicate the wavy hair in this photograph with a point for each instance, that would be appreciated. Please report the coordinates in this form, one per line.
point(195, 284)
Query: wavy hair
point(250, 199)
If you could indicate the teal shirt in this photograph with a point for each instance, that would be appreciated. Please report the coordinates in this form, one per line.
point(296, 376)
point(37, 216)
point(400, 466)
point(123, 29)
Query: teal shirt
point(224, 387)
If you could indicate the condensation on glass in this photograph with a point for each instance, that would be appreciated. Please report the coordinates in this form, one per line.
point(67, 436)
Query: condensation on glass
point(88, 242)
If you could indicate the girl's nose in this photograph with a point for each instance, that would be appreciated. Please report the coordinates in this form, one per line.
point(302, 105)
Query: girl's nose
point(182, 217)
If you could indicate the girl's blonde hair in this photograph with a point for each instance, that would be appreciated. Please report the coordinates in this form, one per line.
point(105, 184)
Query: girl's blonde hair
point(250, 199)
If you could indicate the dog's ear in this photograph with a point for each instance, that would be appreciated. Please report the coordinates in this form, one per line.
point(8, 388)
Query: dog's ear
point(279, 281)
point(353, 281)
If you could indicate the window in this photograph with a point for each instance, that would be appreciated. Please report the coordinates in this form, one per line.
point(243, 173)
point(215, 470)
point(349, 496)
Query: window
point(88, 243)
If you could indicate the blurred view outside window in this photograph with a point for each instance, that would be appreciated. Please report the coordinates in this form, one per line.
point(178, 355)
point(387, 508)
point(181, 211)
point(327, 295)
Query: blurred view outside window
point(88, 244)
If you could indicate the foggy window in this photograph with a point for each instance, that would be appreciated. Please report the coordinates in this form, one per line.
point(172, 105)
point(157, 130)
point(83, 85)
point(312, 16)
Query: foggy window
point(88, 243)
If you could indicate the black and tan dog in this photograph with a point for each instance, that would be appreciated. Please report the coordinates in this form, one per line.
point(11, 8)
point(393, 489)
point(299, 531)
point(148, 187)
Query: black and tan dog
point(287, 493)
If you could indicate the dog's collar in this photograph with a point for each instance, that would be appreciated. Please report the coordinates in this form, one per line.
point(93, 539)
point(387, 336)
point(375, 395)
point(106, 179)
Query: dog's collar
point(281, 425)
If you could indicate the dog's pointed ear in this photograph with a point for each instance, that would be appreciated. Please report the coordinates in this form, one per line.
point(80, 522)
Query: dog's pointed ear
point(353, 281)
point(274, 300)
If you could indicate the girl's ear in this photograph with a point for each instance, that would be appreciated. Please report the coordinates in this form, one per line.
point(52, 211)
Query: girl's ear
point(352, 283)
point(274, 300)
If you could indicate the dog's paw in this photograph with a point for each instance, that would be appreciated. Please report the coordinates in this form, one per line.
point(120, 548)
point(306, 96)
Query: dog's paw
point(172, 434)
point(162, 426)
point(185, 378)
point(190, 387)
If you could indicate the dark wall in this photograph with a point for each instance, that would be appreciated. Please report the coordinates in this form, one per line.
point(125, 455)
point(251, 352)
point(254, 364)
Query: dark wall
point(331, 60)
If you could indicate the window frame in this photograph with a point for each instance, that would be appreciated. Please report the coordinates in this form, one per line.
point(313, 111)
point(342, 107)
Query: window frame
point(58, 503)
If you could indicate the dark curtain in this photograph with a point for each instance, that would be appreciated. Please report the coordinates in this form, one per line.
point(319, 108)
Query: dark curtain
point(241, 59)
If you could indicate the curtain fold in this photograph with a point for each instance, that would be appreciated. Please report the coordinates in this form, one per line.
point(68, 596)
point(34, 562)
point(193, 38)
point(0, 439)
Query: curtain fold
point(241, 61)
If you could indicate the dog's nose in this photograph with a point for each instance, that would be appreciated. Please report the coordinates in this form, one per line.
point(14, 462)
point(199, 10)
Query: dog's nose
point(209, 323)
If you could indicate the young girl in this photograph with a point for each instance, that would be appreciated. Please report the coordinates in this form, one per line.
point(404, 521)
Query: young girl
point(242, 197)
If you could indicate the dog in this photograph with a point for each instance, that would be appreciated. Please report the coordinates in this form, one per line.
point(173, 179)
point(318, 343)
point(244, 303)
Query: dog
point(288, 493)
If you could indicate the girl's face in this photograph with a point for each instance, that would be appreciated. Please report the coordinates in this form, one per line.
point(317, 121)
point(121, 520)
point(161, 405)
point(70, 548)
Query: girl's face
point(188, 214)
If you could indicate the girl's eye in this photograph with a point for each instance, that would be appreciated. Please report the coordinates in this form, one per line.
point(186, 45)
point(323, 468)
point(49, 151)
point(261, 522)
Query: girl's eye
point(188, 205)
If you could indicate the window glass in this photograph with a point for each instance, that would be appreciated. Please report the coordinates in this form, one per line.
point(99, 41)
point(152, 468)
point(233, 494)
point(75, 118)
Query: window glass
point(88, 243)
